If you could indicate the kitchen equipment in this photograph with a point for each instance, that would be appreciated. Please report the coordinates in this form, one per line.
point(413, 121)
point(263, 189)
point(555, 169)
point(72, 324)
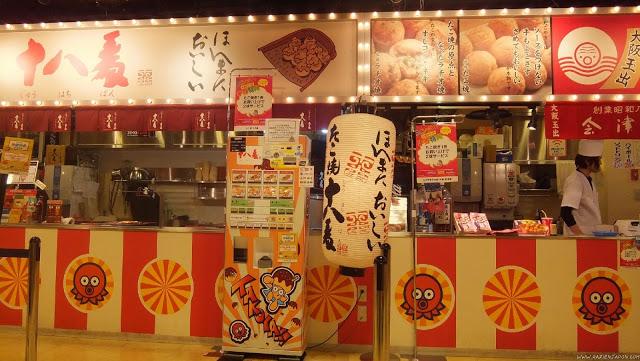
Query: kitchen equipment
point(500, 190)
point(628, 227)
point(76, 187)
point(468, 188)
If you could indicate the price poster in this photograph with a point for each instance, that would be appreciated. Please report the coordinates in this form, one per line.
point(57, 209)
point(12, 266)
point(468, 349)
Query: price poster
point(16, 155)
point(556, 148)
point(437, 153)
point(629, 253)
point(254, 100)
point(306, 177)
point(287, 248)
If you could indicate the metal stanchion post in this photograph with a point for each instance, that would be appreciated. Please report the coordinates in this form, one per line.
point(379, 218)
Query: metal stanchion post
point(381, 308)
point(31, 349)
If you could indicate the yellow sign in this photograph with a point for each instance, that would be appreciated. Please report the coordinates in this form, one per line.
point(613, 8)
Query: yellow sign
point(55, 154)
point(16, 155)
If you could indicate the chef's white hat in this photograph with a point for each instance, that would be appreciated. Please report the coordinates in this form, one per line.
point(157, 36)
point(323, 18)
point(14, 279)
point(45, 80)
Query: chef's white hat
point(591, 148)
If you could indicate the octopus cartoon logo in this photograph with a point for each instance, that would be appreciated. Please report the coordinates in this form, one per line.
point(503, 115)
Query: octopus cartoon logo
point(601, 301)
point(89, 282)
point(239, 331)
point(277, 286)
point(425, 300)
point(430, 302)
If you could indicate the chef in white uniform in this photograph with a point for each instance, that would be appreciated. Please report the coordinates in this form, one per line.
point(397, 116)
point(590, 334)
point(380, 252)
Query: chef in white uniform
point(580, 209)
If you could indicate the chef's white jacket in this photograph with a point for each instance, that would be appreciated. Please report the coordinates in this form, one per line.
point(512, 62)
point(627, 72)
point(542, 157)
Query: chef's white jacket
point(583, 198)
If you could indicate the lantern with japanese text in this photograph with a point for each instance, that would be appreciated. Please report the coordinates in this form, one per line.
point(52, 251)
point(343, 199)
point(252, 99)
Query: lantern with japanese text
point(357, 188)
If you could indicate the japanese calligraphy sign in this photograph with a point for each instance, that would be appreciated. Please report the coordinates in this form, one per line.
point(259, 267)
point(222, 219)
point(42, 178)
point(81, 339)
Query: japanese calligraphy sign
point(437, 153)
point(358, 179)
point(624, 154)
point(60, 121)
point(16, 155)
point(414, 57)
point(596, 54)
point(505, 56)
point(254, 100)
point(592, 120)
point(178, 62)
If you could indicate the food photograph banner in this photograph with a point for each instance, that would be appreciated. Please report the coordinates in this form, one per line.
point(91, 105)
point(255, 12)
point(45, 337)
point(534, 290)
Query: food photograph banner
point(414, 57)
point(254, 101)
point(437, 153)
point(505, 56)
point(596, 54)
point(182, 62)
point(592, 120)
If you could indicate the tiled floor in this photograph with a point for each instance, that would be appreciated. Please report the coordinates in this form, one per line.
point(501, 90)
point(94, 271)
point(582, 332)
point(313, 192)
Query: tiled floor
point(70, 348)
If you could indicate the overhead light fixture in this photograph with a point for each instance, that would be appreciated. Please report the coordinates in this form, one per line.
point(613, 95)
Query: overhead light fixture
point(533, 123)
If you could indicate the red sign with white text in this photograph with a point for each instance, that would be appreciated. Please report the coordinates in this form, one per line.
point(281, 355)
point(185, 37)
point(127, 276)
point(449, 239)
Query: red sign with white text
point(596, 54)
point(437, 153)
point(591, 120)
point(254, 101)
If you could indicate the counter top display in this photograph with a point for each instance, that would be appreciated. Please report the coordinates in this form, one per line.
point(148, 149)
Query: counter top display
point(89, 226)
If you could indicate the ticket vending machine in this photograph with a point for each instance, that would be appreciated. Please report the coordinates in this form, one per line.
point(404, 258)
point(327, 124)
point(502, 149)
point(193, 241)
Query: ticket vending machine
point(265, 248)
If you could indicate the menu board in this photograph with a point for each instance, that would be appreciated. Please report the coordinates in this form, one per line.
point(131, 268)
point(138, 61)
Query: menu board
point(414, 57)
point(262, 198)
point(505, 56)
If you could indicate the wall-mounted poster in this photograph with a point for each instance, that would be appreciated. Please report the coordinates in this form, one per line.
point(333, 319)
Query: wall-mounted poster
point(254, 102)
point(596, 54)
point(436, 160)
point(505, 56)
point(414, 57)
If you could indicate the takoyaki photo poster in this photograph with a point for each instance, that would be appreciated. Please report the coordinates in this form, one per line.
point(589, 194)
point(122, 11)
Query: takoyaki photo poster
point(596, 54)
point(413, 57)
point(505, 56)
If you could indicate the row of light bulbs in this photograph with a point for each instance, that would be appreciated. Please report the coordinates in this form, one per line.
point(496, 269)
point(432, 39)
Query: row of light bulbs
point(331, 16)
point(174, 21)
point(334, 99)
point(188, 101)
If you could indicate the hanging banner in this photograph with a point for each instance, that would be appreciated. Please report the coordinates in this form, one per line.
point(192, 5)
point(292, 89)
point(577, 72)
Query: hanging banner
point(178, 62)
point(505, 56)
point(254, 101)
point(16, 155)
point(591, 120)
point(414, 57)
point(596, 54)
point(437, 153)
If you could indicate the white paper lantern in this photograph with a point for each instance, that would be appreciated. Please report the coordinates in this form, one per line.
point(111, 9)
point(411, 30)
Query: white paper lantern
point(358, 178)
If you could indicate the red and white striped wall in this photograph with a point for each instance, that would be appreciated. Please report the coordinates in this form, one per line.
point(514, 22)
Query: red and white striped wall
point(512, 294)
